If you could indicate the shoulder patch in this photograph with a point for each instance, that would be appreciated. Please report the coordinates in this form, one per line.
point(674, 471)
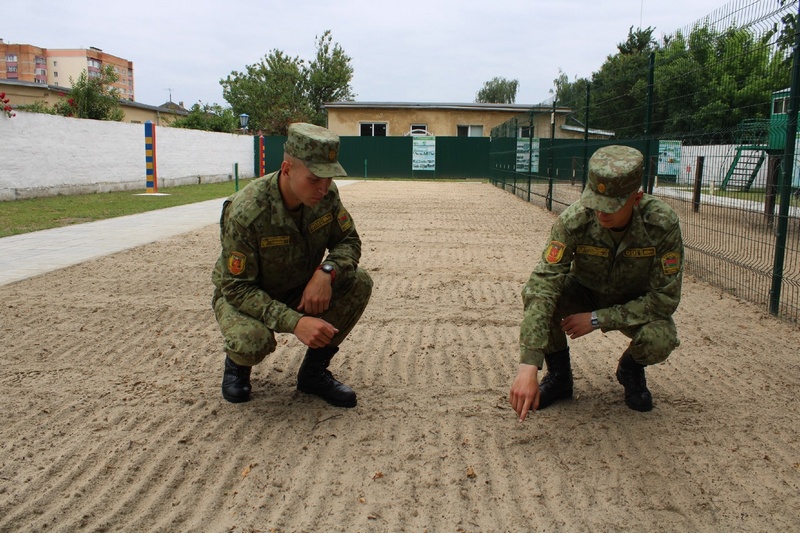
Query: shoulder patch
point(344, 220)
point(671, 263)
point(554, 252)
point(236, 263)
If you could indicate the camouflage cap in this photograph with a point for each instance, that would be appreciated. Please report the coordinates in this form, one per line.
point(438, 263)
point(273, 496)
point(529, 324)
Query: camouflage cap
point(316, 147)
point(615, 172)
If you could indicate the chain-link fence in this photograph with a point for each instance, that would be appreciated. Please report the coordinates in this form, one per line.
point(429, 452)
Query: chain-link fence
point(713, 107)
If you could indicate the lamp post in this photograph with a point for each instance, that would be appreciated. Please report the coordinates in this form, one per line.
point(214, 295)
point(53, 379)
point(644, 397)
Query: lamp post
point(244, 118)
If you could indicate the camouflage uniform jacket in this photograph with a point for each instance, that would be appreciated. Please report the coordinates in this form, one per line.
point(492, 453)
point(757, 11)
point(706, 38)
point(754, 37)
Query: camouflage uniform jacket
point(265, 257)
point(640, 280)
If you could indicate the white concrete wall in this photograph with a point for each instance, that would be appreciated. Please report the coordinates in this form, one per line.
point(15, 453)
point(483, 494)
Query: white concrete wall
point(46, 155)
point(718, 159)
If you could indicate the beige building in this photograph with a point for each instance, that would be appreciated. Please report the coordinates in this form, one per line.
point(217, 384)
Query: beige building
point(27, 93)
point(57, 67)
point(384, 119)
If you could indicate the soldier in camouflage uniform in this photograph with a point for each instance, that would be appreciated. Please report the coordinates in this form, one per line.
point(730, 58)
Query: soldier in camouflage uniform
point(614, 262)
point(273, 276)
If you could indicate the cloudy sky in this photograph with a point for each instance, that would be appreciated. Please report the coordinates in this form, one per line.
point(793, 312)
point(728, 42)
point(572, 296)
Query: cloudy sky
point(423, 51)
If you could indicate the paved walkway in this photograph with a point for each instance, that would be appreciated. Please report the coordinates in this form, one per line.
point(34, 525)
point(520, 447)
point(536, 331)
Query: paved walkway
point(39, 252)
point(30, 254)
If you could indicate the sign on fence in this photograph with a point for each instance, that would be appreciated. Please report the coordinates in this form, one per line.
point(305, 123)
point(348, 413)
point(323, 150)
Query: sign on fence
point(424, 153)
point(527, 155)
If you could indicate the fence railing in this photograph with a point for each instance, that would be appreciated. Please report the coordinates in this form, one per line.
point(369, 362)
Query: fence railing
point(713, 107)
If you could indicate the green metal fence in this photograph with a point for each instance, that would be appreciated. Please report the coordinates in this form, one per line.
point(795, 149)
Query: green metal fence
point(392, 157)
point(713, 107)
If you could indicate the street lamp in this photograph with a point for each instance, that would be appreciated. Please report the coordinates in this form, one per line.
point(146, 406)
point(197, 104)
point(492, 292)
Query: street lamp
point(244, 118)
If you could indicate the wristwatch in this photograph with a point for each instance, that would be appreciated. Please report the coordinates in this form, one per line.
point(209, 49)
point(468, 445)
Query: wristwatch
point(595, 322)
point(328, 269)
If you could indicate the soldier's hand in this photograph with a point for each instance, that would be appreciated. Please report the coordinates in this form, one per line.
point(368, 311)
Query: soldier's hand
point(317, 295)
point(524, 395)
point(314, 332)
point(577, 325)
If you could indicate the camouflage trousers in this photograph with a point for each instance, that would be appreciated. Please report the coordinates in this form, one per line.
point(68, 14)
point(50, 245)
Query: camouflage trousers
point(651, 343)
point(248, 341)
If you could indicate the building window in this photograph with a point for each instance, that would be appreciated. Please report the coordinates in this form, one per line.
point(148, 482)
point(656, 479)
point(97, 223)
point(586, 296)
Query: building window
point(11, 58)
point(94, 63)
point(40, 60)
point(55, 63)
point(780, 106)
point(40, 72)
point(470, 131)
point(526, 132)
point(373, 129)
point(11, 69)
point(55, 74)
point(419, 129)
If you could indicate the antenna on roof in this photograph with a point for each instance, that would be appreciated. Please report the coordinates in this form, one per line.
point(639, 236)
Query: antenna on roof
point(170, 94)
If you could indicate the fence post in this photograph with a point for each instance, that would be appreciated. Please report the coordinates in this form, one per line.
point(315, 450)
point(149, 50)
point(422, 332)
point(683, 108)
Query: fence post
point(785, 184)
point(551, 170)
point(151, 168)
point(585, 171)
point(648, 119)
point(698, 182)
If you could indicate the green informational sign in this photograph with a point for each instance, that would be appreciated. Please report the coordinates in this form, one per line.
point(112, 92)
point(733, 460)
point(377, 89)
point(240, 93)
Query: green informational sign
point(527, 155)
point(669, 158)
point(424, 153)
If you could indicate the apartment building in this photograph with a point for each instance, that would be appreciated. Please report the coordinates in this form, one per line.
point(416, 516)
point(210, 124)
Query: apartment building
point(57, 66)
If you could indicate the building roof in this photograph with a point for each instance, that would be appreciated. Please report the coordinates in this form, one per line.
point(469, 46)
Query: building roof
point(592, 131)
point(473, 106)
point(177, 110)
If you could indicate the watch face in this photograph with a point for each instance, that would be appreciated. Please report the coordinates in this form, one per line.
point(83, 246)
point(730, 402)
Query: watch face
point(327, 268)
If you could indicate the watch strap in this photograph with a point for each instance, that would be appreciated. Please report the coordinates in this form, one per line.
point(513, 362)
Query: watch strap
point(330, 270)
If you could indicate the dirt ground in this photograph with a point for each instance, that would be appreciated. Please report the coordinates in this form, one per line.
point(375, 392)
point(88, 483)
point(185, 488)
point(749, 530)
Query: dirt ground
point(111, 417)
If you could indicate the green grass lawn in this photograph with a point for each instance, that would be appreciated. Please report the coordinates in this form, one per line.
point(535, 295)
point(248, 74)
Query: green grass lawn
point(23, 216)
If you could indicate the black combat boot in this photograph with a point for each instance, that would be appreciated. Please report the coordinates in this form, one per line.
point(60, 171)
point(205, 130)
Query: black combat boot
point(557, 383)
point(235, 382)
point(631, 375)
point(315, 378)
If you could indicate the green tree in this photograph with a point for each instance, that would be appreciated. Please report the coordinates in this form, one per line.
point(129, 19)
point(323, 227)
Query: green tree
point(208, 117)
point(93, 97)
point(570, 94)
point(714, 80)
point(328, 77)
point(707, 83)
point(281, 89)
point(619, 88)
point(498, 91)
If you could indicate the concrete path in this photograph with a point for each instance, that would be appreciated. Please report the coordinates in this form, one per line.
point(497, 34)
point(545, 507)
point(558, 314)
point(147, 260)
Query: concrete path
point(39, 252)
point(30, 254)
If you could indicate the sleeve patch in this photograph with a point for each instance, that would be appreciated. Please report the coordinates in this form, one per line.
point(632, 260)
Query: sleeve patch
point(236, 263)
point(671, 263)
point(554, 252)
point(345, 222)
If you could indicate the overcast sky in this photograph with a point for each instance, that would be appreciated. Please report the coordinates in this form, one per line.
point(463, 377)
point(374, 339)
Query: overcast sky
point(410, 51)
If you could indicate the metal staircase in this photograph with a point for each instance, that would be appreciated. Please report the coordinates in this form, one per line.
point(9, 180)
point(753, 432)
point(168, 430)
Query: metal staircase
point(752, 136)
point(744, 169)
